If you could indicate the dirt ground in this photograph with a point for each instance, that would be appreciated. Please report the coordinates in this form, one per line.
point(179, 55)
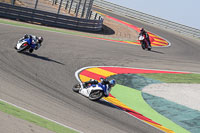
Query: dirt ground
point(120, 31)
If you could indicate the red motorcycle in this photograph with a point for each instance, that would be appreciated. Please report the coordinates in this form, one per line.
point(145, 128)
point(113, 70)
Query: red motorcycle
point(144, 42)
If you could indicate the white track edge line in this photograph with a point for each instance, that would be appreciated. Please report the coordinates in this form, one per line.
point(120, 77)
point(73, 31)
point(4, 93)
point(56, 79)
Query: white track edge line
point(39, 115)
point(77, 77)
point(84, 36)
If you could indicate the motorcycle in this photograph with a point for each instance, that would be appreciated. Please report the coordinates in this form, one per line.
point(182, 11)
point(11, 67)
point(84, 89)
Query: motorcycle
point(93, 92)
point(23, 45)
point(144, 42)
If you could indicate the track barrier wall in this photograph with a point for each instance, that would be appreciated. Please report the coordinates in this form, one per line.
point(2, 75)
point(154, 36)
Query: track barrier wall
point(47, 18)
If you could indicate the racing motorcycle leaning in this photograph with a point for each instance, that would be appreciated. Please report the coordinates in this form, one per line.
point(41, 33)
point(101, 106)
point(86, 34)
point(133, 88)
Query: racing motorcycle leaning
point(27, 44)
point(22, 45)
point(94, 92)
point(144, 42)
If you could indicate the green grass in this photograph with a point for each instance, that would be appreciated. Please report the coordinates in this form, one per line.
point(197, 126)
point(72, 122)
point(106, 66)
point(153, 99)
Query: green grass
point(19, 113)
point(174, 78)
point(133, 99)
point(59, 30)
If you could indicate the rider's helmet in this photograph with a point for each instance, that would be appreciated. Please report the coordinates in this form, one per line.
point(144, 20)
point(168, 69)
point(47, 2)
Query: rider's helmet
point(25, 36)
point(40, 39)
point(112, 82)
point(142, 29)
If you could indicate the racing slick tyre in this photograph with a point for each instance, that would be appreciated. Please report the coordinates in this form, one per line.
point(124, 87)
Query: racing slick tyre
point(143, 45)
point(96, 95)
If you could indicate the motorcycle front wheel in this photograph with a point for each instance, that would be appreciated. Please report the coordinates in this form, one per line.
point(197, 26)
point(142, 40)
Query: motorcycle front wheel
point(143, 45)
point(96, 95)
point(23, 47)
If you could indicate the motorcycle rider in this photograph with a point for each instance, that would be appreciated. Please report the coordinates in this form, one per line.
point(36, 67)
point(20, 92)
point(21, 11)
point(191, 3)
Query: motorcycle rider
point(144, 33)
point(34, 41)
point(110, 84)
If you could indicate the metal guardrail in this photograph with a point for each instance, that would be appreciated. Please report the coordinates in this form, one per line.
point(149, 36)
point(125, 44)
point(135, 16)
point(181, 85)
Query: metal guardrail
point(130, 13)
point(47, 18)
point(79, 7)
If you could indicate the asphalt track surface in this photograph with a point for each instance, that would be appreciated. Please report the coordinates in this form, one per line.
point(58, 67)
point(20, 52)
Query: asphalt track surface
point(42, 81)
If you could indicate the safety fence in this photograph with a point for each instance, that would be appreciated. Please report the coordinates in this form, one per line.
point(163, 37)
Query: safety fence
point(80, 8)
point(130, 13)
point(76, 8)
point(48, 18)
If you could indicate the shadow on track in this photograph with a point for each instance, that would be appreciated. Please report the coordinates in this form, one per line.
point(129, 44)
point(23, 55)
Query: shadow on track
point(41, 57)
point(156, 52)
point(107, 104)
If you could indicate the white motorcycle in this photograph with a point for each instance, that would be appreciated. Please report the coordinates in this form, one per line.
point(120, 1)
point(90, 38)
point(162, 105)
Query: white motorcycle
point(22, 45)
point(93, 92)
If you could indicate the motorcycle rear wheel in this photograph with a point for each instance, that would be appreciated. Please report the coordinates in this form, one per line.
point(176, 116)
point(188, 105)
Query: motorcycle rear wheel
point(76, 88)
point(96, 95)
point(149, 48)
